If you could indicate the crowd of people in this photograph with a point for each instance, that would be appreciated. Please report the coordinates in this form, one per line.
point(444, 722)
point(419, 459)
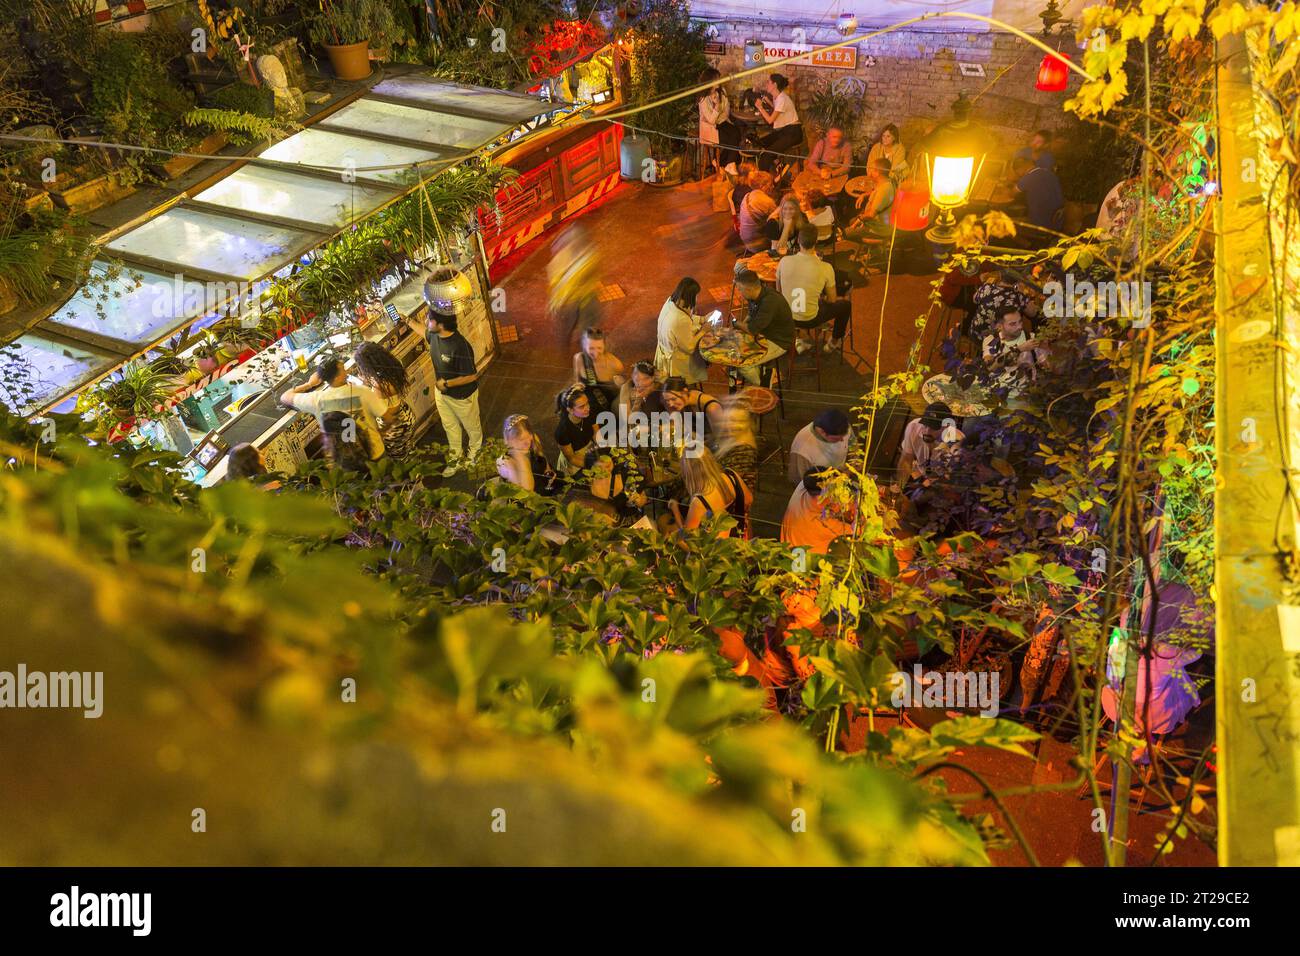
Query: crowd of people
point(706, 463)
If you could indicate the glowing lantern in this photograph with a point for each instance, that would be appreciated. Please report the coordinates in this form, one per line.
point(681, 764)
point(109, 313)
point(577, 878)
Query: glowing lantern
point(950, 182)
point(847, 24)
point(1053, 73)
point(950, 178)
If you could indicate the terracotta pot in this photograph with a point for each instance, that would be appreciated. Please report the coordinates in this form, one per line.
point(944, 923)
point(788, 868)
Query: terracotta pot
point(351, 61)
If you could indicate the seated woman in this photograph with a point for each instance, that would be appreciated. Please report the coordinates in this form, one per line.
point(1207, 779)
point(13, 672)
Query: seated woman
point(712, 490)
point(782, 227)
point(524, 464)
point(641, 392)
point(820, 212)
point(678, 332)
point(576, 428)
point(889, 146)
point(680, 397)
point(599, 369)
point(614, 479)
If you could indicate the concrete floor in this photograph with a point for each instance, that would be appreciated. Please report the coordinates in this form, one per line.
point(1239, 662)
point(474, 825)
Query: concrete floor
point(648, 238)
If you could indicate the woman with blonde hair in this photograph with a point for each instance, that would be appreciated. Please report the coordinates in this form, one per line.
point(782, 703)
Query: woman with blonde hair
point(524, 463)
point(599, 369)
point(712, 489)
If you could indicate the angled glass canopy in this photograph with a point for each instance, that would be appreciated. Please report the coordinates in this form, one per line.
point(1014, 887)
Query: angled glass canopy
point(280, 192)
point(44, 369)
point(136, 306)
point(207, 243)
point(340, 151)
point(187, 261)
point(490, 104)
point(415, 124)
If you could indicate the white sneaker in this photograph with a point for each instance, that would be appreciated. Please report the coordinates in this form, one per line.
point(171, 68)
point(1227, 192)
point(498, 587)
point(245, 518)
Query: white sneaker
point(832, 345)
point(802, 345)
point(450, 470)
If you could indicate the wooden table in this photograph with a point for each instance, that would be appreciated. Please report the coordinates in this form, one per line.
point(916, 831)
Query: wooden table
point(808, 180)
point(965, 403)
point(734, 349)
point(763, 264)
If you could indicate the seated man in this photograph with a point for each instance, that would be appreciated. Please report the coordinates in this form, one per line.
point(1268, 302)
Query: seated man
point(875, 220)
point(925, 440)
point(811, 518)
point(822, 443)
point(808, 284)
point(1010, 356)
point(1037, 152)
point(831, 154)
point(1041, 190)
point(769, 320)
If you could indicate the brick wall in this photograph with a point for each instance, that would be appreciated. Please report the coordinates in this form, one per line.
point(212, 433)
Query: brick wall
point(912, 77)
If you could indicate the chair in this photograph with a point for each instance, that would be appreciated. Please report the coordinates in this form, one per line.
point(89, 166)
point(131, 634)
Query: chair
point(810, 362)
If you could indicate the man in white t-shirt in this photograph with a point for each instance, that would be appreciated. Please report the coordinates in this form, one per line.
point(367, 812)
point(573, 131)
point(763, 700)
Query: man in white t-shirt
point(924, 440)
point(822, 443)
point(804, 279)
point(330, 390)
point(787, 132)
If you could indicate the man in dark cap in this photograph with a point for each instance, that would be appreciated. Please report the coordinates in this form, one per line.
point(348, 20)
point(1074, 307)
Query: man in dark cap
point(822, 443)
point(924, 439)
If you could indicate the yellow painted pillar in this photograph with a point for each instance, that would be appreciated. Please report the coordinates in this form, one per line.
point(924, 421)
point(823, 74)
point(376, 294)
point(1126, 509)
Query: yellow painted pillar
point(1257, 414)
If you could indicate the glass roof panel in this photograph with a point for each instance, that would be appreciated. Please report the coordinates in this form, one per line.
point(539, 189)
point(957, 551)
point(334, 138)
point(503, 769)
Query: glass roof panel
point(42, 369)
point(509, 106)
point(204, 241)
point(280, 192)
point(320, 147)
point(131, 304)
point(411, 122)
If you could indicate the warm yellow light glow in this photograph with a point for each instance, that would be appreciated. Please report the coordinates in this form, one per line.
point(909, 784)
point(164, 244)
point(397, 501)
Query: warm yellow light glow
point(950, 179)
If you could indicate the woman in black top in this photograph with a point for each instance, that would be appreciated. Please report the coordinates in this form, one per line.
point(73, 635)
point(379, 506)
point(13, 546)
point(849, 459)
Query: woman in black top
point(524, 464)
point(576, 429)
point(712, 488)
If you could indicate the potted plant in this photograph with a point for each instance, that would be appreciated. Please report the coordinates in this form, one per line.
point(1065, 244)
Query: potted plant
point(666, 52)
point(828, 107)
point(347, 28)
point(122, 402)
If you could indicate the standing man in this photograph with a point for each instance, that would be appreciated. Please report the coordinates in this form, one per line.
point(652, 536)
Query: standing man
point(1044, 201)
point(456, 385)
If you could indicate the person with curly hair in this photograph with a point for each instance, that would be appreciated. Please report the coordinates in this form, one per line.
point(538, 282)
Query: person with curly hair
point(384, 373)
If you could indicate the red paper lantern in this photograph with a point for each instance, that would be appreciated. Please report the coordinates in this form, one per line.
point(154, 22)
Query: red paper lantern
point(1053, 73)
point(912, 206)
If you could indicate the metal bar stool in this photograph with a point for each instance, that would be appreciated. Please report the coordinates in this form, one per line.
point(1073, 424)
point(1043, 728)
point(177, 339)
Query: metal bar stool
point(761, 402)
